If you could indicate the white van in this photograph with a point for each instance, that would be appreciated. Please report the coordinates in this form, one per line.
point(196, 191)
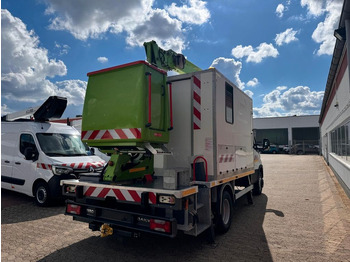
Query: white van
point(37, 155)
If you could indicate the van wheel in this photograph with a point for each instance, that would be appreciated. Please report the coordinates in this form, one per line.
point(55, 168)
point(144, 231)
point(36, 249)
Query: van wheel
point(42, 194)
point(225, 218)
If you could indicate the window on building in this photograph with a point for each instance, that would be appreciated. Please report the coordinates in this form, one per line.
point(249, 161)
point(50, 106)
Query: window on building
point(340, 141)
point(229, 103)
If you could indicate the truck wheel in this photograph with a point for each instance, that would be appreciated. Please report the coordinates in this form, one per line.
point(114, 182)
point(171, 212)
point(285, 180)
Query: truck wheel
point(300, 152)
point(42, 194)
point(225, 218)
point(258, 186)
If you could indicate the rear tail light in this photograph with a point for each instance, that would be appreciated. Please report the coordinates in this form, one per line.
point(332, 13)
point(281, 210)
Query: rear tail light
point(73, 209)
point(160, 225)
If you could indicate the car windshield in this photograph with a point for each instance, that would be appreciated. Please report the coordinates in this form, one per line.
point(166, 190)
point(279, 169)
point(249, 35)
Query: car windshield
point(54, 144)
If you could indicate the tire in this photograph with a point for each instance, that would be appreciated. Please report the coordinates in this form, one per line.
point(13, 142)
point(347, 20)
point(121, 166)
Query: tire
point(42, 194)
point(300, 152)
point(258, 186)
point(274, 152)
point(224, 219)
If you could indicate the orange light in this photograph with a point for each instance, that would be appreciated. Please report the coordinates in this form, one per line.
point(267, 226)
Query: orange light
point(110, 163)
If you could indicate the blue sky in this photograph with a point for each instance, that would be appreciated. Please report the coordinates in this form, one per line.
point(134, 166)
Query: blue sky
point(278, 52)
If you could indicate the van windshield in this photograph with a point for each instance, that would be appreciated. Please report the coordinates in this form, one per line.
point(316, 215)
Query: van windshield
point(53, 144)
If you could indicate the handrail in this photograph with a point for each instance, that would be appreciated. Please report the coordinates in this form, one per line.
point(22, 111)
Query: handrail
point(194, 168)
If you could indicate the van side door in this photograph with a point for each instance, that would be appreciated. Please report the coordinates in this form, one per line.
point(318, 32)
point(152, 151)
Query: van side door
point(25, 171)
point(8, 145)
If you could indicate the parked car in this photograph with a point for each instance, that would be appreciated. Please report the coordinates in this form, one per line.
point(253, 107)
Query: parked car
point(272, 149)
point(301, 149)
point(285, 149)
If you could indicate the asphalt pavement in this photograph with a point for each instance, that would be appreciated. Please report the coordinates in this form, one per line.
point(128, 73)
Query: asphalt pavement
point(302, 215)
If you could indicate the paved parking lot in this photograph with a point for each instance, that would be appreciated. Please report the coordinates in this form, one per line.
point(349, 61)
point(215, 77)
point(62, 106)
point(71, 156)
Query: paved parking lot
point(302, 215)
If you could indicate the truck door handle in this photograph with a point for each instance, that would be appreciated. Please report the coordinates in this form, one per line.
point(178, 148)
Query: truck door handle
point(17, 163)
point(7, 162)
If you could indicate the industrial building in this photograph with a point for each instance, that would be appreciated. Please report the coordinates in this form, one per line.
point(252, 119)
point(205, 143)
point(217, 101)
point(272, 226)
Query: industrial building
point(335, 112)
point(302, 132)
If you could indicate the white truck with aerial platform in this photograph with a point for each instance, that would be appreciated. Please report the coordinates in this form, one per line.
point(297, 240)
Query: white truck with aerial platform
point(182, 149)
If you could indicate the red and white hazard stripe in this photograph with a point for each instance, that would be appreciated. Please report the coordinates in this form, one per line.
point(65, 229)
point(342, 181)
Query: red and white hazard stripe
point(86, 165)
point(125, 133)
point(226, 158)
point(43, 166)
point(119, 194)
point(196, 103)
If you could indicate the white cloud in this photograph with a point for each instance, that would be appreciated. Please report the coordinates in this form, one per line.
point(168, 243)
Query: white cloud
point(102, 59)
point(63, 49)
point(5, 110)
point(279, 10)
point(281, 88)
point(253, 82)
point(93, 19)
point(323, 34)
point(195, 13)
point(159, 26)
point(74, 90)
point(298, 100)
point(286, 37)
point(26, 68)
point(314, 7)
point(229, 68)
point(255, 55)
point(249, 93)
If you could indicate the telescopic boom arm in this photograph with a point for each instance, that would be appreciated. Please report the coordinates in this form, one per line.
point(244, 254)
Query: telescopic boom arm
point(168, 59)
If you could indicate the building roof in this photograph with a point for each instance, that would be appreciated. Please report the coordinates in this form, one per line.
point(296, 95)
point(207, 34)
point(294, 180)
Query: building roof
point(337, 53)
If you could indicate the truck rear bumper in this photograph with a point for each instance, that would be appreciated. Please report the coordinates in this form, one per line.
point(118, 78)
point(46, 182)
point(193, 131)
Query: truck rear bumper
point(122, 220)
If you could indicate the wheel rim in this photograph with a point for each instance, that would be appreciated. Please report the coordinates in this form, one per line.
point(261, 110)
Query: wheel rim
point(226, 211)
point(41, 195)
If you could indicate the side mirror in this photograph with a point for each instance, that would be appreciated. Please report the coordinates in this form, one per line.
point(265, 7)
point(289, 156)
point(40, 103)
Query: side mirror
point(266, 143)
point(30, 154)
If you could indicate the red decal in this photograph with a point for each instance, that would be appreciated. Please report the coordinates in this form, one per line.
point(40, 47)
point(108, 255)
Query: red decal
point(121, 134)
point(157, 134)
point(195, 126)
point(90, 191)
point(197, 97)
point(107, 135)
point(118, 194)
point(152, 197)
point(134, 195)
point(135, 132)
point(83, 133)
point(103, 193)
point(197, 82)
point(94, 134)
point(80, 165)
point(197, 113)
